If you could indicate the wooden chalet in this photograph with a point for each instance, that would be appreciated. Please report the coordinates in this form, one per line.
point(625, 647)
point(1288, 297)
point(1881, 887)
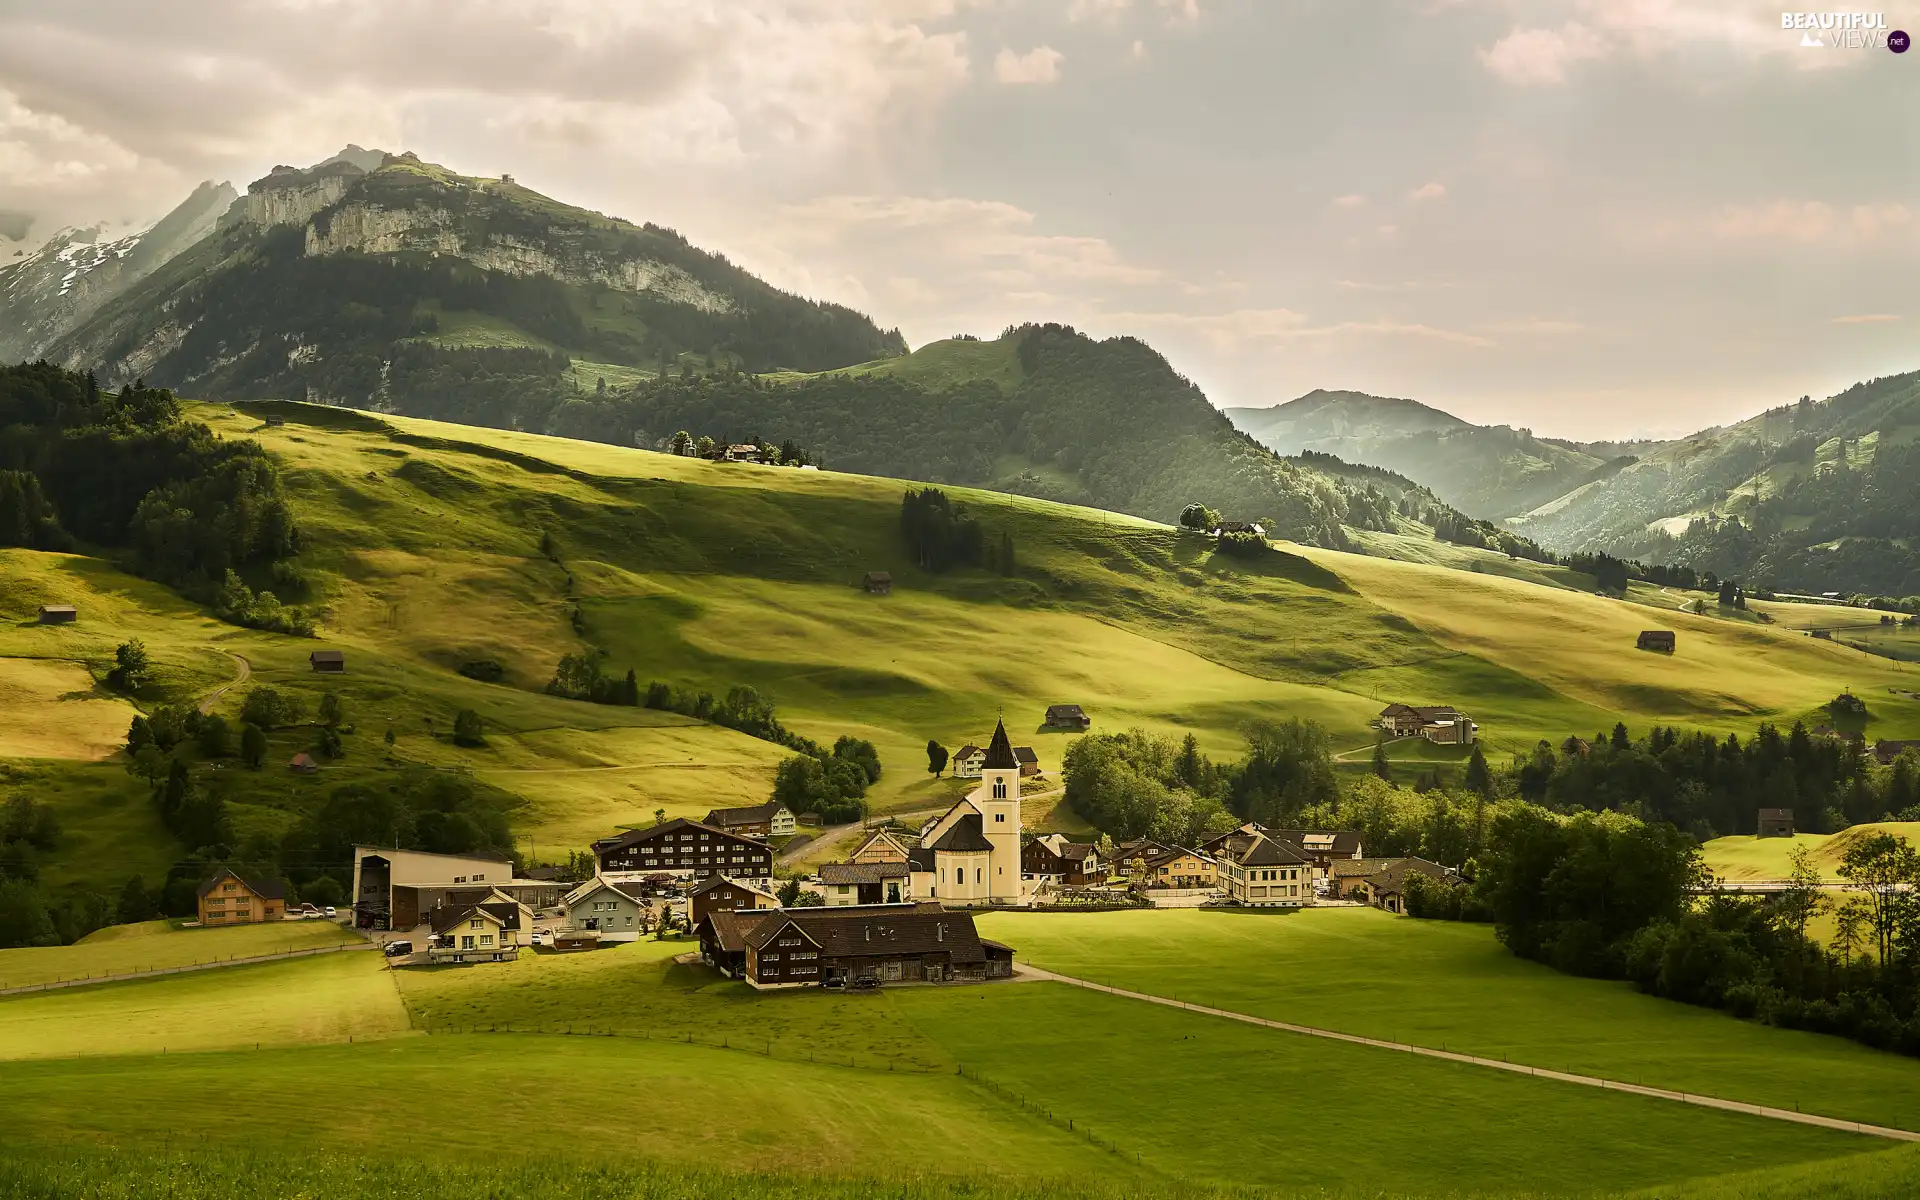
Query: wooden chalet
point(1885, 750)
point(230, 899)
point(1067, 716)
point(867, 883)
point(1659, 640)
point(684, 848)
point(884, 943)
point(881, 846)
point(723, 892)
point(877, 583)
point(771, 819)
point(58, 614)
point(1774, 822)
point(303, 764)
point(328, 662)
point(1028, 760)
point(1053, 859)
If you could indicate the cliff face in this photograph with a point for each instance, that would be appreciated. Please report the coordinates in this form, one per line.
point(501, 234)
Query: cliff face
point(273, 201)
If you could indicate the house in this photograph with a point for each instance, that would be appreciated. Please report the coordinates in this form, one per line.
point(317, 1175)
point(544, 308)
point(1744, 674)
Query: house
point(722, 892)
point(968, 761)
point(1131, 857)
point(230, 899)
point(1386, 889)
point(396, 889)
point(1775, 822)
point(880, 846)
point(475, 933)
point(1655, 639)
point(303, 763)
point(1253, 527)
point(1181, 868)
point(744, 452)
point(535, 893)
point(1066, 716)
point(772, 819)
point(1886, 751)
point(58, 614)
point(867, 883)
point(877, 583)
point(971, 853)
point(886, 943)
point(1054, 859)
point(688, 849)
point(1266, 873)
point(1324, 847)
point(328, 662)
point(614, 912)
point(1028, 760)
point(1442, 724)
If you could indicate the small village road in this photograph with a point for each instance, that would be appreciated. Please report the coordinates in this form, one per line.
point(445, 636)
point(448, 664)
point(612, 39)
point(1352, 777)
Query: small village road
point(57, 985)
point(1757, 1110)
point(244, 673)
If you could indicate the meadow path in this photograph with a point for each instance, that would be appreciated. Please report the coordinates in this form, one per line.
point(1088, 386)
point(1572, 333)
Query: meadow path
point(56, 985)
point(244, 673)
point(1757, 1110)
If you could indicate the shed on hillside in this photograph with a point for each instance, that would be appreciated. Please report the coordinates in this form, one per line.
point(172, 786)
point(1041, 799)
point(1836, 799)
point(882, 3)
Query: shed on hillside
point(1067, 716)
point(1775, 822)
point(303, 763)
point(329, 662)
point(58, 614)
point(878, 583)
point(1656, 639)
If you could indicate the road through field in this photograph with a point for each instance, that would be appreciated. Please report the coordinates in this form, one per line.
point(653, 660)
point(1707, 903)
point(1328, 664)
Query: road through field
point(1757, 1110)
point(244, 673)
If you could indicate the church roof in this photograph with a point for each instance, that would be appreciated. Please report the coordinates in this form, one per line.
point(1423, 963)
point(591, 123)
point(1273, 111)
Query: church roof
point(964, 836)
point(1000, 750)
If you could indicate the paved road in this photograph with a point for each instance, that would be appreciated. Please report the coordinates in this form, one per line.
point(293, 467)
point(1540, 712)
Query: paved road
point(212, 966)
point(1757, 1110)
point(244, 673)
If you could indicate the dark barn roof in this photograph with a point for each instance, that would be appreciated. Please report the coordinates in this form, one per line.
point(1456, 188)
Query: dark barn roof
point(266, 889)
point(965, 835)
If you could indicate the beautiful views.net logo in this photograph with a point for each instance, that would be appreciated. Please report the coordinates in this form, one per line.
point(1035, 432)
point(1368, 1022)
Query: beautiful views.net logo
point(1845, 30)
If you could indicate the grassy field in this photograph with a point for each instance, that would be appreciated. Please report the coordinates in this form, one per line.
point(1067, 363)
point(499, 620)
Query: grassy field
point(153, 945)
point(326, 998)
point(1453, 986)
point(1736, 858)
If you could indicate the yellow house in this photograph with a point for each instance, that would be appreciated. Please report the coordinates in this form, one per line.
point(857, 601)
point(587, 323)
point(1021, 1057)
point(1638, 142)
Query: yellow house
point(1181, 869)
point(227, 899)
point(477, 932)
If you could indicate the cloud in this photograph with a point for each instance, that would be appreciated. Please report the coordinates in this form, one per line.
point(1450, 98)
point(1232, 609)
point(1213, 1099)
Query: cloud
point(1096, 10)
point(1428, 191)
point(1403, 285)
point(1236, 329)
point(1865, 319)
point(1807, 221)
point(1536, 325)
point(1181, 12)
point(1038, 65)
point(1540, 57)
point(1350, 200)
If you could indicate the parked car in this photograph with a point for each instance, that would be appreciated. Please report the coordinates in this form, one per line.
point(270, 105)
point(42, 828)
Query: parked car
point(833, 981)
point(399, 949)
point(864, 983)
point(332, 912)
point(308, 912)
point(539, 938)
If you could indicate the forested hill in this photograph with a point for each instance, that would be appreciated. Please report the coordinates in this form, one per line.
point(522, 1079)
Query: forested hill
point(1817, 495)
point(1042, 411)
point(372, 280)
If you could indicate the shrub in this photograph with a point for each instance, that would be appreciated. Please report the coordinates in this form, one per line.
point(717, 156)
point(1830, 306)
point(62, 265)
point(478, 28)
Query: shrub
point(486, 670)
point(467, 729)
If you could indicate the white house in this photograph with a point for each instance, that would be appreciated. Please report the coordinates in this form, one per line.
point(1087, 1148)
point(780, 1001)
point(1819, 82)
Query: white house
point(968, 761)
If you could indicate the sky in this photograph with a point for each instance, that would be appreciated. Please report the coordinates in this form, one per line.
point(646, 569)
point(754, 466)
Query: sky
point(1591, 218)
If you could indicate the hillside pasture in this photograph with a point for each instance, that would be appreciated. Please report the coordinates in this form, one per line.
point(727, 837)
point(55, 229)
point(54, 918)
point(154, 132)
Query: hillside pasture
point(1743, 857)
point(52, 709)
point(157, 945)
point(1452, 986)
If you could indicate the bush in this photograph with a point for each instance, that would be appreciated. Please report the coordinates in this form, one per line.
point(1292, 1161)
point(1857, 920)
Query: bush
point(216, 736)
point(270, 709)
point(486, 670)
point(467, 729)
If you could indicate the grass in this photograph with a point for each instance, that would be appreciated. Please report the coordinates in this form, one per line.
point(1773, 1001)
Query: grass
point(326, 998)
point(1743, 857)
point(1453, 986)
point(56, 712)
point(155, 945)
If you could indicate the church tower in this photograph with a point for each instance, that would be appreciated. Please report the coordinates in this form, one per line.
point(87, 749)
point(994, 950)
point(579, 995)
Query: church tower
point(998, 799)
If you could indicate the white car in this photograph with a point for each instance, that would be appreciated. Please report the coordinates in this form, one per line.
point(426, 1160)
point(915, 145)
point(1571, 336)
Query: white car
point(332, 912)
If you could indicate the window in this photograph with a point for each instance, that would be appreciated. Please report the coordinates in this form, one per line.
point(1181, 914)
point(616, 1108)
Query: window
point(841, 889)
point(486, 939)
point(979, 876)
point(474, 924)
point(466, 941)
point(1000, 817)
point(478, 878)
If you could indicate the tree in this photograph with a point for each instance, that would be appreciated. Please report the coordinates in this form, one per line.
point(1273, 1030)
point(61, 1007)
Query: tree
point(1479, 776)
point(1194, 516)
point(1884, 871)
point(659, 816)
point(704, 447)
point(24, 919)
point(681, 443)
point(1620, 740)
point(936, 758)
point(328, 743)
point(139, 733)
point(253, 744)
point(331, 713)
point(1380, 765)
point(789, 893)
point(1802, 898)
point(136, 902)
point(271, 709)
point(148, 763)
point(467, 729)
point(131, 669)
point(216, 736)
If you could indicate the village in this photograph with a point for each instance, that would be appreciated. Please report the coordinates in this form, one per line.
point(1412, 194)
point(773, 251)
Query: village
point(897, 908)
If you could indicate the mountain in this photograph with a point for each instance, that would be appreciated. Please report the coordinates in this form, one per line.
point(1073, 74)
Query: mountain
point(1818, 495)
point(48, 293)
point(1488, 472)
point(371, 278)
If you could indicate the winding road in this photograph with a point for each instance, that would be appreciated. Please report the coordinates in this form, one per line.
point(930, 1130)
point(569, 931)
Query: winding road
point(245, 673)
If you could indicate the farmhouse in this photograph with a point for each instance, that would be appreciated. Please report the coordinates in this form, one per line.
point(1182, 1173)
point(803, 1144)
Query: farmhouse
point(230, 899)
point(1386, 888)
point(613, 911)
point(968, 760)
point(877, 583)
point(721, 892)
point(867, 883)
point(1775, 822)
point(1267, 873)
point(1051, 858)
point(1324, 847)
point(395, 889)
point(328, 662)
point(303, 763)
point(880, 846)
point(1180, 868)
point(1253, 527)
point(58, 614)
point(1028, 760)
point(477, 933)
point(1442, 724)
point(1067, 716)
point(772, 819)
point(971, 853)
point(690, 849)
point(1886, 751)
point(885, 943)
point(1660, 640)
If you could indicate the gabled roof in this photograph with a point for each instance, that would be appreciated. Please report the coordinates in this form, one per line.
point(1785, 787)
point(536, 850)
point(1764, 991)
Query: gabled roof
point(732, 925)
point(1342, 842)
point(753, 814)
point(509, 914)
point(1270, 851)
point(597, 884)
point(881, 835)
point(1072, 712)
point(621, 841)
point(875, 930)
point(920, 858)
point(1000, 750)
point(964, 836)
point(1394, 877)
point(328, 656)
point(1173, 852)
point(1026, 756)
point(445, 919)
point(717, 881)
point(967, 751)
point(1776, 814)
point(850, 873)
point(266, 889)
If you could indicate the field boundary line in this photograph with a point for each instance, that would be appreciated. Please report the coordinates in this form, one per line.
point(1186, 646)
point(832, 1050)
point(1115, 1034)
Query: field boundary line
point(1593, 1081)
point(54, 985)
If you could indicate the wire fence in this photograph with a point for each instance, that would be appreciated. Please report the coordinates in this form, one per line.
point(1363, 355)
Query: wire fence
point(150, 972)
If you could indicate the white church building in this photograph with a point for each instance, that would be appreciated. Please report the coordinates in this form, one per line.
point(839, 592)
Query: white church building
point(971, 854)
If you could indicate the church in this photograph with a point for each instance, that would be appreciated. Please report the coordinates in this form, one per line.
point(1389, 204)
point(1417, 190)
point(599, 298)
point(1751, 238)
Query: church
point(971, 854)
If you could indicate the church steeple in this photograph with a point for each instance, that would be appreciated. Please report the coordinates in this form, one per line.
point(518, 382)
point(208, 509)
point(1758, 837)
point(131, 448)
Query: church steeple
point(1000, 751)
